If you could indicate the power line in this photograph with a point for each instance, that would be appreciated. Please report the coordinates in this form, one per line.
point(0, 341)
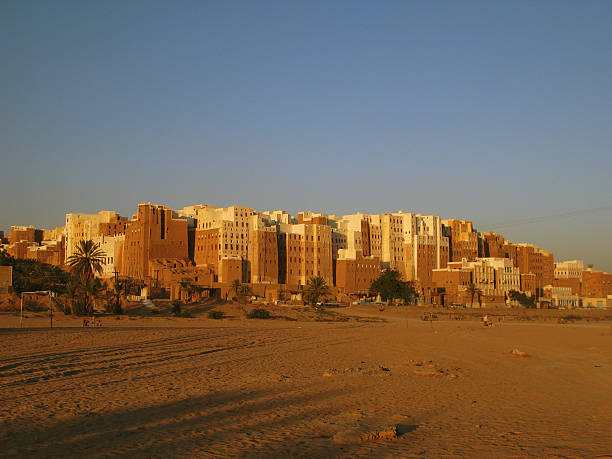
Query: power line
point(542, 218)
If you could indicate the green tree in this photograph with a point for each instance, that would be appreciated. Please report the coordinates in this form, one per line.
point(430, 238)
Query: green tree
point(389, 285)
point(245, 292)
point(93, 289)
point(186, 284)
point(315, 289)
point(87, 261)
point(31, 275)
point(472, 290)
point(522, 298)
point(115, 296)
point(236, 287)
point(72, 292)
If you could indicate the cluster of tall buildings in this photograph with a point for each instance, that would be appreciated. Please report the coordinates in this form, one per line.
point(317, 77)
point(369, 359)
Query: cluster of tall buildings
point(276, 252)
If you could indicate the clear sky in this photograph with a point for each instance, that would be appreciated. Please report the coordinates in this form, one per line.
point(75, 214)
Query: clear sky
point(491, 111)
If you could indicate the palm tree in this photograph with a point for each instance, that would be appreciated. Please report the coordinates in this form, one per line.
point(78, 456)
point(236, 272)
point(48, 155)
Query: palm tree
point(93, 289)
point(316, 288)
point(115, 295)
point(245, 292)
point(72, 290)
point(87, 261)
point(472, 289)
point(236, 287)
point(187, 285)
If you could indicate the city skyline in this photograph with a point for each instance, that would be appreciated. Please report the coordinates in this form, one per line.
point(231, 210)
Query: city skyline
point(504, 231)
point(508, 228)
point(274, 252)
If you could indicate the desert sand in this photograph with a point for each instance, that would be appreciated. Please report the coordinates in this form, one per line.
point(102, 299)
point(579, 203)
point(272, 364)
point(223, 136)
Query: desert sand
point(384, 385)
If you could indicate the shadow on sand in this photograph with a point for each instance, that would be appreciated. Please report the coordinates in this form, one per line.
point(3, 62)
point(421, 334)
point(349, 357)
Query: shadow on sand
point(245, 423)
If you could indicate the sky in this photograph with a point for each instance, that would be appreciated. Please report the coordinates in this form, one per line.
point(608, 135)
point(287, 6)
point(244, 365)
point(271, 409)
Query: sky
point(488, 111)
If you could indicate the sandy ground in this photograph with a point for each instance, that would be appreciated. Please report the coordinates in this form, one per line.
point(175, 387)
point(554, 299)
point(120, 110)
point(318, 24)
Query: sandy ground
point(167, 387)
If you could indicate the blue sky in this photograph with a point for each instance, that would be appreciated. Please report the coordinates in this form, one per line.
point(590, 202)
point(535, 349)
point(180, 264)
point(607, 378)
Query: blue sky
point(490, 111)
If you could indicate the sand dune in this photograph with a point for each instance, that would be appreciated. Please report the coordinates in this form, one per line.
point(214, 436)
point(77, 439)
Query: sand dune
point(277, 388)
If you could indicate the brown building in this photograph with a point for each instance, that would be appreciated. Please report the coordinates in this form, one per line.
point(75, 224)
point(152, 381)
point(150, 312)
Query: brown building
point(55, 234)
point(510, 251)
point(50, 252)
point(529, 283)
point(491, 245)
point(452, 284)
point(19, 249)
point(207, 247)
point(231, 269)
point(308, 253)
point(117, 225)
point(263, 251)
point(45, 246)
point(596, 284)
point(170, 273)
point(25, 233)
point(422, 255)
point(355, 273)
point(531, 259)
point(312, 218)
point(222, 233)
point(463, 240)
point(154, 233)
point(570, 282)
point(534, 260)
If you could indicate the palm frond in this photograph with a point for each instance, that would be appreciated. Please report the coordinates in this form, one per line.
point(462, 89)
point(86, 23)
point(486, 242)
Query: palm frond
point(87, 260)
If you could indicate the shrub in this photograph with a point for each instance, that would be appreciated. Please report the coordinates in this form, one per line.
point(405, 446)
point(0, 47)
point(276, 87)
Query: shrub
point(113, 307)
point(571, 317)
point(216, 314)
point(259, 313)
point(81, 308)
point(176, 308)
point(185, 315)
point(33, 304)
point(58, 306)
point(523, 299)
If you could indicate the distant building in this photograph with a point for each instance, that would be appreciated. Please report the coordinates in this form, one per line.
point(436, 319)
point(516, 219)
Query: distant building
point(112, 246)
point(223, 233)
point(153, 233)
point(597, 302)
point(308, 252)
point(569, 269)
point(25, 233)
point(531, 259)
point(596, 284)
point(463, 240)
point(452, 283)
point(263, 250)
point(355, 273)
point(276, 253)
point(83, 227)
point(491, 245)
point(561, 297)
point(50, 252)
